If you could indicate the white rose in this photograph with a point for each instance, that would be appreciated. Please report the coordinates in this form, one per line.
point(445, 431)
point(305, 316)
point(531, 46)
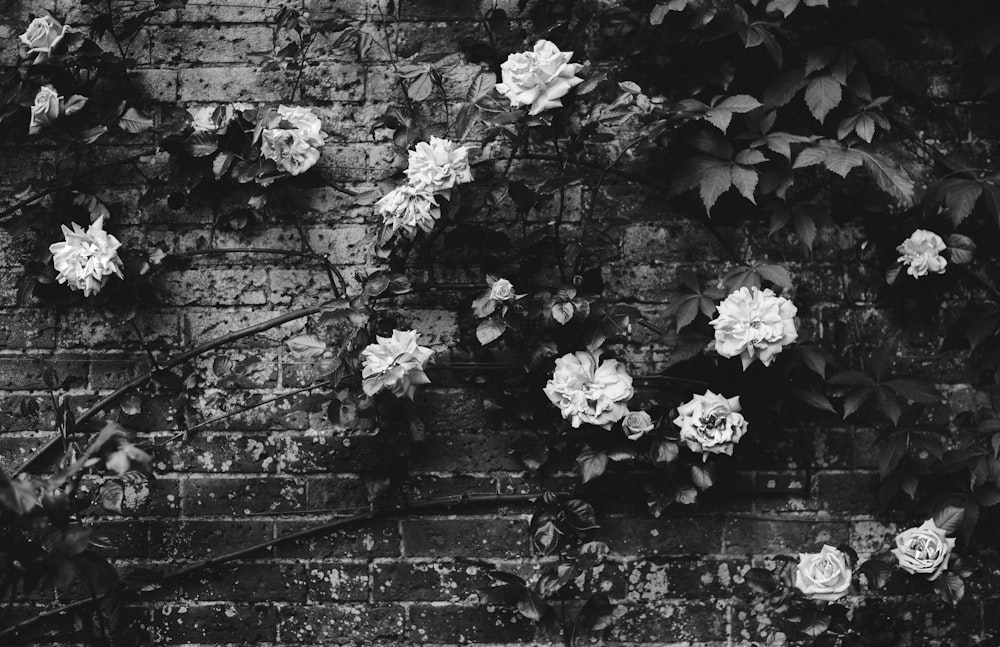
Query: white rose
point(586, 392)
point(438, 166)
point(924, 550)
point(86, 259)
point(636, 424)
point(308, 125)
point(824, 575)
point(395, 364)
point(754, 322)
point(42, 35)
point(408, 208)
point(45, 109)
point(502, 290)
point(711, 423)
point(539, 79)
point(203, 119)
point(922, 253)
point(288, 150)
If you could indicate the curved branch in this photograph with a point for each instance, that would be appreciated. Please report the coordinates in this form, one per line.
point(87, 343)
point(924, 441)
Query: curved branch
point(176, 361)
point(447, 502)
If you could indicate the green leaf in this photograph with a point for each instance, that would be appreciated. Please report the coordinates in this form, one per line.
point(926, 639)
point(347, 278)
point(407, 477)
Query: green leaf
point(813, 399)
point(761, 580)
point(960, 199)
point(961, 249)
point(201, 144)
point(745, 181)
point(776, 274)
point(949, 518)
point(531, 605)
point(702, 476)
point(306, 346)
point(420, 87)
point(590, 464)
point(715, 181)
point(843, 161)
point(490, 330)
point(134, 121)
point(888, 176)
point(823, 94)
point(949, 587)
point(663, 452)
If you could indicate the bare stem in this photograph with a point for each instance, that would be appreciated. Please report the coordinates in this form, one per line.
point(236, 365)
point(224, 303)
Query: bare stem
point(176, 361)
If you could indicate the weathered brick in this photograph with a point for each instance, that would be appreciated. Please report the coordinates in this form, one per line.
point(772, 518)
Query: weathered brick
point(187, 623)
point(464, 537)
point(365, 624)
point(215, 44)
point(338, 581)
point(241, 495)
point(782, 535)
point(193, 539)
point(462, 624)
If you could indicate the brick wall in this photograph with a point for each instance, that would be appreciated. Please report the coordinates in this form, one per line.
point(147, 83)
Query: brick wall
point(257, 475)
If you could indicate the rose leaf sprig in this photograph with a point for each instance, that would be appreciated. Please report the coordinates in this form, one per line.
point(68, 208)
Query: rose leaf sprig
point(493, 306)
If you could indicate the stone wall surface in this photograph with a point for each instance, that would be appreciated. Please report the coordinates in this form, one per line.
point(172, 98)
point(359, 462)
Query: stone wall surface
point(412, 580)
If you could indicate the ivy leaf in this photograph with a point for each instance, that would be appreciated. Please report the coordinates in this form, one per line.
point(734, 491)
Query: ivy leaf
point(306, 346)
point(823, 94)
point(776, 274)
point(715, 181)
point(960, 199)
point(783, 87)
point(888, 176)
point(813, 399)
point(590, 464)
point(745, 181)
point(721, 114)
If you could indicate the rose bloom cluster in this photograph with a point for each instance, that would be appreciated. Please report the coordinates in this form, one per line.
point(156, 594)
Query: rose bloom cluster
point(86, 259)
point(433, 169)
point(921, 254)
point(754, 324)
point(590, 391)
point(538, 79)
point(826, 575)
point(395, 364)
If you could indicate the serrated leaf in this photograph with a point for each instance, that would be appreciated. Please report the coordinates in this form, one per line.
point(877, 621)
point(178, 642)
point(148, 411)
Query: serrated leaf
point(823, 94)
point(843, 160)
point(481, 86)
point(888, 176)
point(949, 587)
point(715, 181)
point(783, 88)
point(961, 198)
point(949, 518)
point(776, 274)
point(813, 399)
point(745, 181)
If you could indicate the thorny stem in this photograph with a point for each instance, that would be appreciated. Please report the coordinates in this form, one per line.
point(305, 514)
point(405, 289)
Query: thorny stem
point(176, 361)
point(416, 507)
